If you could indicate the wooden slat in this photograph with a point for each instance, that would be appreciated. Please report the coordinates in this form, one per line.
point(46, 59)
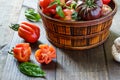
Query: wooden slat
point(81, 65)
point(11, 70)
point(9, 13)
point(112, 65)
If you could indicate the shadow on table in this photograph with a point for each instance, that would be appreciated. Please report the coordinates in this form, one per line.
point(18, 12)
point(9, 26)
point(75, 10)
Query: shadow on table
point(89, 60)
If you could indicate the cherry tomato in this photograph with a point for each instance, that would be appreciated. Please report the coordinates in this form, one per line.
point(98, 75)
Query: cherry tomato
point(106, 1)
point(44, 3)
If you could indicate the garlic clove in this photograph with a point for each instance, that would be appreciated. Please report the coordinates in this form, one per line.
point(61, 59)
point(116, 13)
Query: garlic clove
point(115, 53)
point(117, 44)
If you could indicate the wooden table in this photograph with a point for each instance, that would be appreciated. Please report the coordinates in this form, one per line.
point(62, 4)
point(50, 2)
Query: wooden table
point(92, 64)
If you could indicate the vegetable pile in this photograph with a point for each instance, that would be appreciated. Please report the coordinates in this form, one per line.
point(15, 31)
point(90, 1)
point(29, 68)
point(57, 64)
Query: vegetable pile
point(81, 10)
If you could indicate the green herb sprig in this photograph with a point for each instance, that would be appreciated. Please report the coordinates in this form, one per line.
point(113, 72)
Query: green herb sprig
point(31, 15)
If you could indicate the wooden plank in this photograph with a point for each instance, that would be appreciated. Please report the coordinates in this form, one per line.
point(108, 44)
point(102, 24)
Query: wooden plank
point(81, 65)
point(9, 11)
point(113, 66)
point(11, 70)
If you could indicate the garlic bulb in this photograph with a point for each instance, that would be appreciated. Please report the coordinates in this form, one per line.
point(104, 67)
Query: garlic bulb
point(116, 49)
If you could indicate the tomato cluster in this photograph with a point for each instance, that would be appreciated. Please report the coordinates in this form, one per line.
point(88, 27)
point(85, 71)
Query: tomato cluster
point(72, 10)
point(59, 9)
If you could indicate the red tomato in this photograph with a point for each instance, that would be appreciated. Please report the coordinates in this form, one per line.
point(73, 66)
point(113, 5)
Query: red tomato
point(44, 3)
point(45, 54)
point(52, 11)
point(106, 1)
point(68, 14)
point(22, 52)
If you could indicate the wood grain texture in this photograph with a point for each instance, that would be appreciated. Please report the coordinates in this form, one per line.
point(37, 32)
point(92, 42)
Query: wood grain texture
point(112, 65)
point(81, 65)
point(93, 64)
point(12, 71)
point(9, 13)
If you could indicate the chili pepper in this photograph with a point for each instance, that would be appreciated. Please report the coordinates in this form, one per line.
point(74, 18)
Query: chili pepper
point(45, 54)
point(22, 52)
point(90, 9)
point(28, 31)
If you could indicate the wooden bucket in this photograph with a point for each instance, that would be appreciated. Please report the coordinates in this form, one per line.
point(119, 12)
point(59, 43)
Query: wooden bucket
point(78, 35)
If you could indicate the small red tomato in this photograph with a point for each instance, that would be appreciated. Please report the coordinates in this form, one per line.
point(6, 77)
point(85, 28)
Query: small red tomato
point(44, 3)
point(52, 11)
point(105, 10)
point(68, 3)
point(106, 1)
point(68, 14)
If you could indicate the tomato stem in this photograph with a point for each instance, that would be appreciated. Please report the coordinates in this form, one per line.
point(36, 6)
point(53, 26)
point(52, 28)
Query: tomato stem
point(11, 52)
point(90, 3)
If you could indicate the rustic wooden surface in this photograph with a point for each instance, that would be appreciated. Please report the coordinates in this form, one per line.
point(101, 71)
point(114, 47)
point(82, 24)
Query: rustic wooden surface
point(9, 13)
point(93, 64)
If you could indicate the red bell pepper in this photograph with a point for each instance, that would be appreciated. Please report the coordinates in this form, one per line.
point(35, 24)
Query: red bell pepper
point(22, 52)
point(45, 54)
point(28, 31)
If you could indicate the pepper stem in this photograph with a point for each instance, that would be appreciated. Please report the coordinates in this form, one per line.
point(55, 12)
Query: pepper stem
point(14, 27)
point(11, 52)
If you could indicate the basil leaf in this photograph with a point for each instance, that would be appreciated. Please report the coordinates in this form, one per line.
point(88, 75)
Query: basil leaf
point(31, 69)
point(60, 11)
point(31, 15)
point(74, 15)
point(73, 5)
point(58, 1)
point(52, 3)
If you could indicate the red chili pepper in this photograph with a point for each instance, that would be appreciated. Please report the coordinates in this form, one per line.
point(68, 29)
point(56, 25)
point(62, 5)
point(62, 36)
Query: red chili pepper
point(22, 52)
point(28, 31)
point(45, 54)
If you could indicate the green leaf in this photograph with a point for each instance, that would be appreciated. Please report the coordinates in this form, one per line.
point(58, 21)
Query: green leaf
point(31, 15)
point(31, 69)
point(60, 11)
point(74, 15)
point(14, 27)
point(52, 3)
point(58, 1)
point(73, 5)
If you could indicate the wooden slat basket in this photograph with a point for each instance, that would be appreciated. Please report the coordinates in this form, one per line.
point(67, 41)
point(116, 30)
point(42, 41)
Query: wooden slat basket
point(78, 35)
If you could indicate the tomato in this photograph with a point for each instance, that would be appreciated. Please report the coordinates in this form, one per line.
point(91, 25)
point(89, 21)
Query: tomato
point(89, 9)
point(106, 1)
point(69, 2)
point(22, 52)
point(45, 54)
point(52, 11)
point(105, 10)
point(44, 3)
point(68, 14)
